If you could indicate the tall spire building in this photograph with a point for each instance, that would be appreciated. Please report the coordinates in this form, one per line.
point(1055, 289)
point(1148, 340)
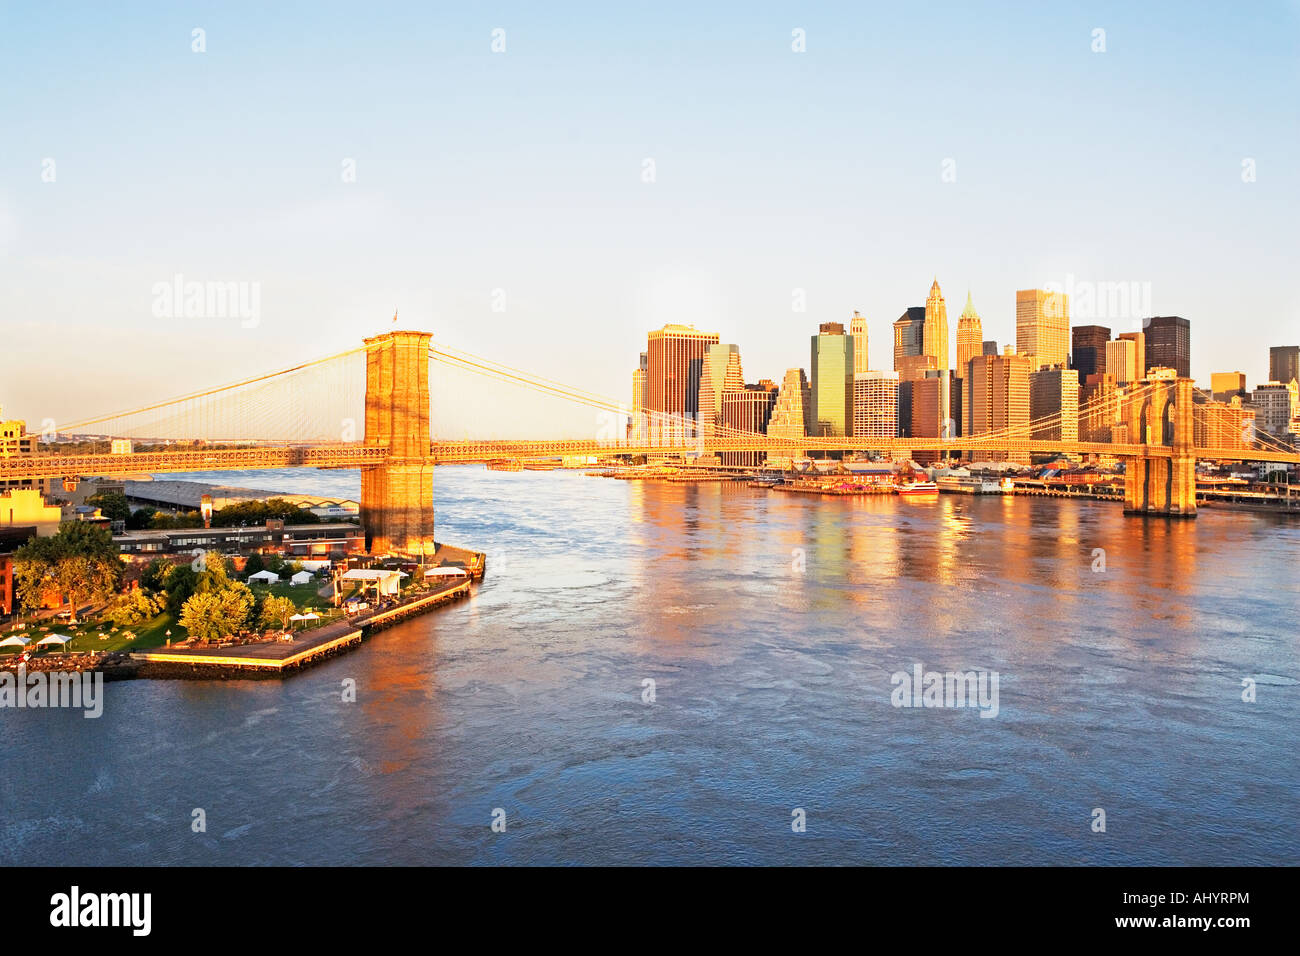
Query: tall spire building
point(934, 334)
point(970, 337)
point(858, 329)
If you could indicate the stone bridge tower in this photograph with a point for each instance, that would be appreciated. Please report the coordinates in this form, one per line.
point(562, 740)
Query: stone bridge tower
point(1162, 485)
point(397, 497)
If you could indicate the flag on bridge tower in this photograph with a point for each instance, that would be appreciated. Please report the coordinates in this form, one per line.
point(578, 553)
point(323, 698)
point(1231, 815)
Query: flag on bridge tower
point(394, 316)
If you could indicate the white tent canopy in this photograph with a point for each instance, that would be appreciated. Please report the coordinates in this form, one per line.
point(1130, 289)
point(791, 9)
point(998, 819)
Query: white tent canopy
point(386, 582)
point(54, 639)
point(448, 572)
point(15, 641)
point(309, 616)
point(302, 577)
point(270, 577)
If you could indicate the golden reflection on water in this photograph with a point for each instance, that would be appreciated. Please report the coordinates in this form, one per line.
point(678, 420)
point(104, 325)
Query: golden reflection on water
point(867, 550)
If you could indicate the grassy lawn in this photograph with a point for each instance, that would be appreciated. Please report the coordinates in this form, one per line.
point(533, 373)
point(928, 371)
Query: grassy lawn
point(85, 634)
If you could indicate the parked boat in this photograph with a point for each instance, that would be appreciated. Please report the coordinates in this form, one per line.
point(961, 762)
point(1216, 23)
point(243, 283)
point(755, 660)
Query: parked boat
point(967, 485)
point(918, 488)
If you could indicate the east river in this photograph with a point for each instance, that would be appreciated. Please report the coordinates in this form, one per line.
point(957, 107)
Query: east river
point(770, 625)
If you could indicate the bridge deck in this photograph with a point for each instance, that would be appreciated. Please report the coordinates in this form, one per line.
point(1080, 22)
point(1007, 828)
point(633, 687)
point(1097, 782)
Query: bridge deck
point(32, 467)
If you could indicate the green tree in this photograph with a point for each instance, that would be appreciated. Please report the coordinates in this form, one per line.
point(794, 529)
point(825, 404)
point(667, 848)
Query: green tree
point(248, 513)
point(154, 576)
point(254, 564)
point(181, 583)
point(276, 612)
point(162, 521)
point(111, 504)
point(135, 608)
point(140, 519)
point(214, 614)
point(80, 563)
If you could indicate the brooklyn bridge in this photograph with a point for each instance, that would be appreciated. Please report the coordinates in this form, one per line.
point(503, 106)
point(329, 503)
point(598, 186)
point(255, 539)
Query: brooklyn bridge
point(1158, 421)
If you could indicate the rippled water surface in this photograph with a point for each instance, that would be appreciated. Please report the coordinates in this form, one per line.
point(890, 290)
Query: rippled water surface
point(770, 624)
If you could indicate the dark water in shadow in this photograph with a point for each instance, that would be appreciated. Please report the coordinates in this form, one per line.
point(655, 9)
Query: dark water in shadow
point(1118, 690)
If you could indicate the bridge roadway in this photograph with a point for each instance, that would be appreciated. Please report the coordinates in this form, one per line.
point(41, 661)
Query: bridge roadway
point(211, 459)
point(27, 467)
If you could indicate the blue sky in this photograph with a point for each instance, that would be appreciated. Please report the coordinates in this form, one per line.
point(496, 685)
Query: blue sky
point(522, 172)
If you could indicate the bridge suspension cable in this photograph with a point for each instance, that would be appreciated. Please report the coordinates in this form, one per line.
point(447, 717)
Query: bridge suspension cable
point(282, 404)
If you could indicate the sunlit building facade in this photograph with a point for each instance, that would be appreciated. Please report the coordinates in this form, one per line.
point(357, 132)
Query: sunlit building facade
point(1122, 361)
point(1043, 327)
point(1054, 404)
point(669, 352)
point(970, 334)
point(875, 405)
point(790, 414)
point(858, 329)
point(720, 370)
point(832, 381)
point(748, 409)
point(997, 399)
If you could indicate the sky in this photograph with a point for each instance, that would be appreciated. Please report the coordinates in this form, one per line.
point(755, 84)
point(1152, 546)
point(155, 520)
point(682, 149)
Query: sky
point(606, 170)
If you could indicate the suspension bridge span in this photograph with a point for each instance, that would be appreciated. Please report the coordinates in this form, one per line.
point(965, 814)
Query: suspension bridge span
point(1156, 426)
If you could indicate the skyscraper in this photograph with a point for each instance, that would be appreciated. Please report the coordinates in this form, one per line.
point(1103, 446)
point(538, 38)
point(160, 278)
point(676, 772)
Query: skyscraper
point(1088, 349)
point(1099, 408)
point(694, 369)
point(790, 414)
point(832, 380)
point(720, 369)
point(1284, 363)
point(970, 333)
point(636, 426)
point(1121, 361)
point(748, 409)
point(1139, 339)
point(990, 347)
point(997, 398)
point(875, 405)
point(928, 402)
point(1043, 326)
point(1169, 343)
point(1224, 386)
point(934, 333)
point(858, 329)
point(1276, 407)
point(1054, 396)
point(668, 357)
point(907, 335)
